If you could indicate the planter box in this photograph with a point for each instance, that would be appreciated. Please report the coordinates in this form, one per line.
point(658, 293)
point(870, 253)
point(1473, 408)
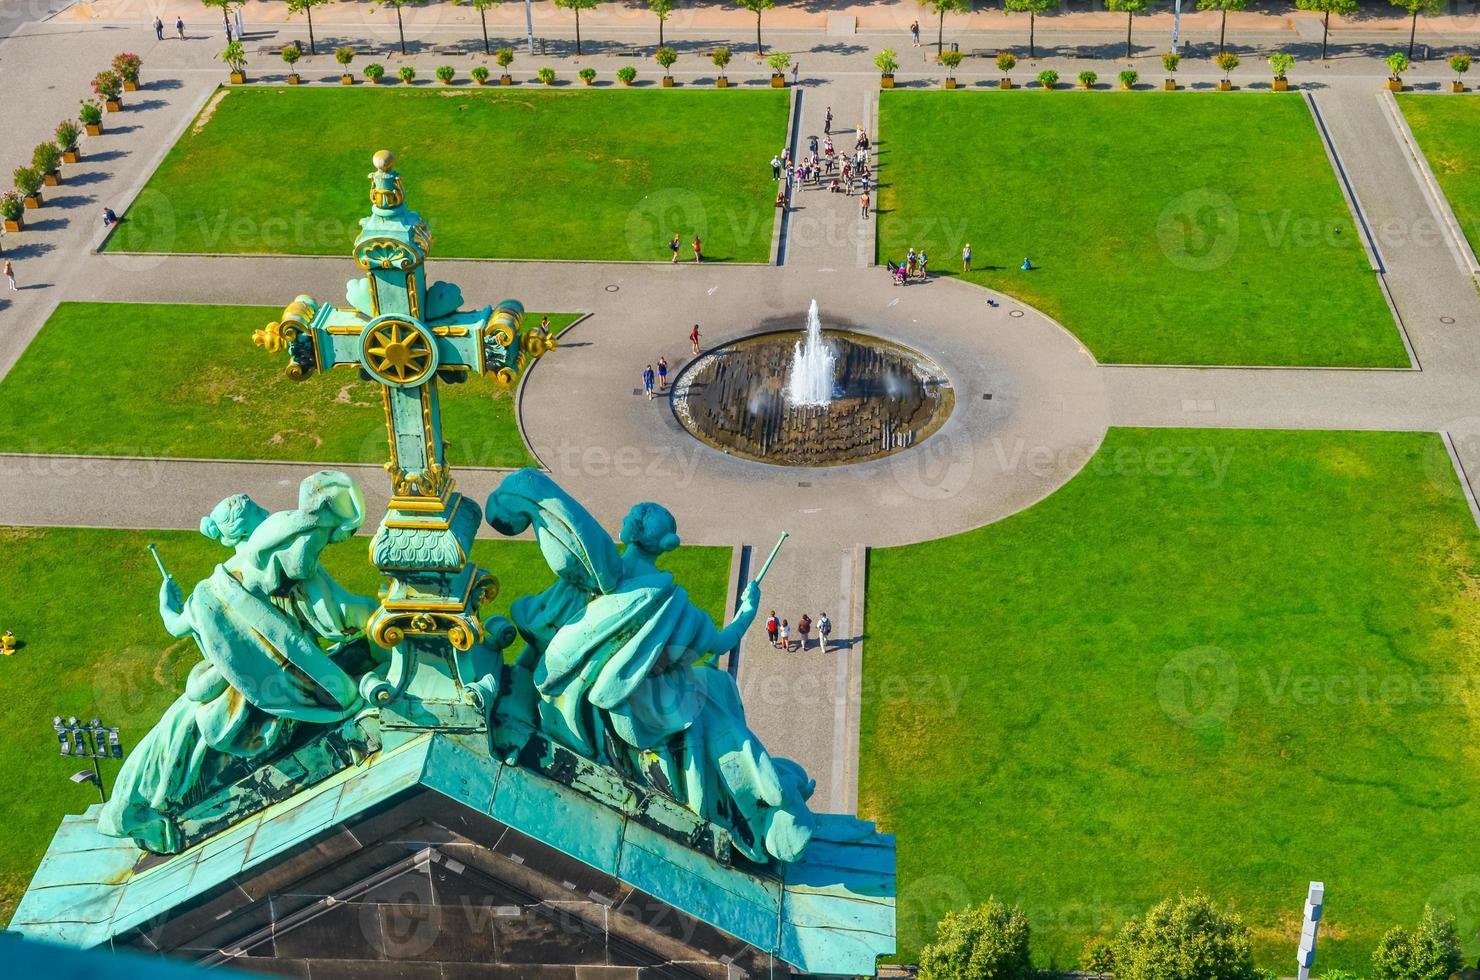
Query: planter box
point(1005, 84)
point(950, 83)
point(480, 81)
point(1170, 85)
point(1456, 87)
point(130, 86)
point(33, 201)
point(444, 81)
point(721, 82)
point(294, 79)
point(506, 79)
point(1395, 85)
point(238, 78)
point(626, 84)
point(93, 129)
point(886, 81)
point(588, 81)
point(113, 105)
point(52, 179)
point(667, 81)
point(1281, 85)
point(16, 225)
point(1086, 86)
point(71, 156)
point(346, 79)
point(1125, 86)
point(1224, 85)
point(778, 81)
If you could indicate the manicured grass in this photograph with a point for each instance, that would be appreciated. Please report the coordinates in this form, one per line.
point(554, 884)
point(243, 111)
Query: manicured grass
point(181, 380)
point(93, 645)
point(498, 174)
point(1167, 229)
point(1217, 659)
point(1448, 132)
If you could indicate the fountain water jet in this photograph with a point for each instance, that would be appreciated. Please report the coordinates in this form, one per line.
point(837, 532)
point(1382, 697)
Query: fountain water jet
point(813, 367)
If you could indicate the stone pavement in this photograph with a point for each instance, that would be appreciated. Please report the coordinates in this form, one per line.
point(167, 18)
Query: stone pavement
point(1032, 405)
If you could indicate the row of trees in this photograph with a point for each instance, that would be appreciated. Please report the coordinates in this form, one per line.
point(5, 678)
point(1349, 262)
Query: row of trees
point(1187, 938)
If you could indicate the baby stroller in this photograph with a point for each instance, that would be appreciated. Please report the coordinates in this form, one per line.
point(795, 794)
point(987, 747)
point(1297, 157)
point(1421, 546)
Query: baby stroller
point(898, 273)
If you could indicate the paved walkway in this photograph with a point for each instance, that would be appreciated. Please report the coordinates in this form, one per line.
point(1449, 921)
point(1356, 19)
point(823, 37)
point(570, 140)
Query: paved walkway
point(1032, 406)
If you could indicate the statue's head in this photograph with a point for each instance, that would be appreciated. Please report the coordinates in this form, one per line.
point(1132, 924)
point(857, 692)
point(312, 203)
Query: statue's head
point(233, 520)
point(651, 528)
point(337, 501)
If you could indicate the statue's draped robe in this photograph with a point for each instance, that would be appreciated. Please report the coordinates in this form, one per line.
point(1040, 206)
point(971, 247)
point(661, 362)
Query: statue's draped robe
point(256, 621)
point(622, 651)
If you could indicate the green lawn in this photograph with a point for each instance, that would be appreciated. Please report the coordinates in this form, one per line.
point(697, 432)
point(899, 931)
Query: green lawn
point(181, 380)
point(94, 646)
point(1448, 131)
point(1185, 228)
point(521, 173)
point(1217, 659)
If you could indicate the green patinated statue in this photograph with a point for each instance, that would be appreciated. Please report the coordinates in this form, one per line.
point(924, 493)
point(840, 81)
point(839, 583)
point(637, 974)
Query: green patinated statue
point(621, 665)
point(271, 626)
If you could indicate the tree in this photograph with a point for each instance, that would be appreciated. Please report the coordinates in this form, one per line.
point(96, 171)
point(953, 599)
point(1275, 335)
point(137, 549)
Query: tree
point(662, 8)
point(1416, 7)
point(1281, 63)
point(398, 4)
point(757, 7)
point(1327, 8)
point(1129, 8)
point(482, 6)
point(1032, 8)
point(989, 940)
point(885, 62)
point(1224, 6)
point(941, 8)
point(666, 57)
point(952, 60)
point(578, 6)
point(1397, 63)
point(1429, 952)
point(1186, 938)
point(1459, 64)
point(306, 7)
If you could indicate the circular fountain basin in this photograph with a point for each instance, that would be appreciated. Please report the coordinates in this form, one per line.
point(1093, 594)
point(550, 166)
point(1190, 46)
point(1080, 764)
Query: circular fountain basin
point(886, 398)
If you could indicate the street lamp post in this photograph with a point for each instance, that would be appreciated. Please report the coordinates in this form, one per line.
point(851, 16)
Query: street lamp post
point(529, 24)
point(93, 741)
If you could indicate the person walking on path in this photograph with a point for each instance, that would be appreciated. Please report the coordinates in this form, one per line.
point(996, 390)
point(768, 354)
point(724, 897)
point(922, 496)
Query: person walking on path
point(824, 630)
point(647, 381)
point(694, 338)
point(673, 247)
point(786, 636)
point(863, 206)
point(698, 248)
point(180, 27)
point(158, 29)
point(10, 276)
point(827, 122)
point(796, 67)
point(773, 627)
point(804, 626)
point(662, 373)
point(966, 258)
point(915, 32)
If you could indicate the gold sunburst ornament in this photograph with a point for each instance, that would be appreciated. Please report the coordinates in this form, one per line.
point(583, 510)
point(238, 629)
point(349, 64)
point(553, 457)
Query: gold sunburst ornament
point(399, 352)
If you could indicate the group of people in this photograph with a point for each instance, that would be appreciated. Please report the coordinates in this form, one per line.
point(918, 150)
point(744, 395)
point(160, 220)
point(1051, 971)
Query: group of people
point(823, 166)
point(656, 381)
point(779, 631)
point(674, 244)
point(179, 29)
point(916, 266)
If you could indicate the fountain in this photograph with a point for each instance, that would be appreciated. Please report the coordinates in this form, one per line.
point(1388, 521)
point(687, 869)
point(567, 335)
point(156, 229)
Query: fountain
point(837, 396)
point(813, 366)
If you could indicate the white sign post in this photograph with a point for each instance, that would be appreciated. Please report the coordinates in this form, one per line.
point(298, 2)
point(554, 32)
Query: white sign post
point(1306, 958)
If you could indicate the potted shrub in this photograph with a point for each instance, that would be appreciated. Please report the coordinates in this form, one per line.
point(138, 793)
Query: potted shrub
point(1459, 64)
point(952, 61)
point(886, 64)
point(1006, 62)
point(721, 58)
point(505, 58)
point(374, 72)
point(127, 66)
point(445, 74)
point(1281, 63)
point(546, 75)
point(1171, 61)
point(291, 54)
point(1048, 78)
point(28, 182)
point(1087, 79)
point(1397, 63)
point(235, 57)
point(344, 56)
point(67, 133)
point(587, 75)
point(778, 61)
point(406, 74)
point(479, 74)
point(1227, 61)
point(108, 86)
point(626, 74)
point(91, 116)
point(46, 160)
point(666, 57)
point(11, 210)
point(1128, 78)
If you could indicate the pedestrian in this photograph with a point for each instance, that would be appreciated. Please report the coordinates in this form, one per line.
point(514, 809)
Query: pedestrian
point(804, 626)
point(827, 122)
point(10, 276)
point(647, 381)
point(663, 373)
point(673, 247)
point(795, 68)
point(158, 29)
point(786, 636)
point(966, 258)
point(781, 199)
point(694, 338)
point(775, 168)
point(923, 264)
point(773, 627)
point(545, 327)
point(863, 206)
point(812, 143)
point(915, 32)
point(180, 27)
point(824, 630)
point(698, 248)
point(110, 218)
